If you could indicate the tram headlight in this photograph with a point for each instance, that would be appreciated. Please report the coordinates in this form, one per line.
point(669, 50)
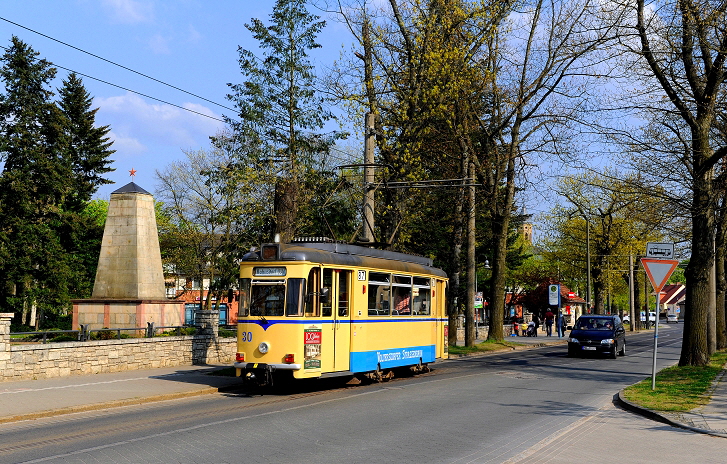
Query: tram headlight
point(263, 347)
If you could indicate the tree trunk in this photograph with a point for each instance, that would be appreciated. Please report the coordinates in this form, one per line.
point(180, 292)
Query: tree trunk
point(500, 228)
point(721, 280)
point(286, 208)
point(695, 348)
point(471, 266)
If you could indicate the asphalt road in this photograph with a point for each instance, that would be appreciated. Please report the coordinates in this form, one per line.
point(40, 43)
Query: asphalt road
point(525, 406)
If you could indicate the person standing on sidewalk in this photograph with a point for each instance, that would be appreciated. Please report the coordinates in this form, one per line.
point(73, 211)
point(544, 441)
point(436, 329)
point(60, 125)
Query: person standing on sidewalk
point(559, 324)
point(549, 316)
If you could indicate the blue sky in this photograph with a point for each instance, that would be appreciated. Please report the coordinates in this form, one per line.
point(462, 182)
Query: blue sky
point(190, 44)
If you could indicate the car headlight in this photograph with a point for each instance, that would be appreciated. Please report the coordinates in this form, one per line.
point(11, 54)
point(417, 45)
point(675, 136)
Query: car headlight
point(573, 340)
point(608, 341)
point(263, 347)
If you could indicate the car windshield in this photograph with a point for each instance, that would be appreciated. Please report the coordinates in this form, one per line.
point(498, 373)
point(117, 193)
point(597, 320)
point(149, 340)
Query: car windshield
point(589, 323)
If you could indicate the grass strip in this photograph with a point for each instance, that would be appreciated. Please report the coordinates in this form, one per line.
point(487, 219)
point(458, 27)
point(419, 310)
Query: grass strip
point(483, 347)
point(678, 388)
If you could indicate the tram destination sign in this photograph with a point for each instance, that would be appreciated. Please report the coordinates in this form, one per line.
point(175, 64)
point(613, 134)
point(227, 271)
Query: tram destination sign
point(658, 250)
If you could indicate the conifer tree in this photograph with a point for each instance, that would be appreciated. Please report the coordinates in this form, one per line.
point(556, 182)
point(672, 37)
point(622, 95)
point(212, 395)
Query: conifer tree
point(33, 178)
point(277, 104)
point(52, 161)
point(87, 147)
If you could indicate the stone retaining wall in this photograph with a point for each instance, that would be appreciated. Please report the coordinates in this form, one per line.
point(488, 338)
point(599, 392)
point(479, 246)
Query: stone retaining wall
point(22, 362)
point(481, 332)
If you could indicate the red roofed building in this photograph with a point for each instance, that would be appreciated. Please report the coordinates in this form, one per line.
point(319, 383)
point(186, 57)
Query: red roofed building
point(536, 301)
point(672, 299)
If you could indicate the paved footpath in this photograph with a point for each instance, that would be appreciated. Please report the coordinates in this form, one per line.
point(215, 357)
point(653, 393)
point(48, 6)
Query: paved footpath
point(31, 399)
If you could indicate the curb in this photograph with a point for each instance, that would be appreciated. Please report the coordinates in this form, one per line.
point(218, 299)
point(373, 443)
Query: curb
point(109, 404)
point(656, 416)
point(523, 347)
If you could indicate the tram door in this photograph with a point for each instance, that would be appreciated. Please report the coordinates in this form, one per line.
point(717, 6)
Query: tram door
point(342, 317)
point(337, 336)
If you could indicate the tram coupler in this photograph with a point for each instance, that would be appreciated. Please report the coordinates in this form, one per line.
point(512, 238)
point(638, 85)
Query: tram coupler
point(260, 376)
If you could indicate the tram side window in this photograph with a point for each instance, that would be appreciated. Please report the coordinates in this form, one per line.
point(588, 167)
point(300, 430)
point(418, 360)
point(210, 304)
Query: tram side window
point(267, 299)
point(379, 291)
point(294, 299)
point(422, 296)
point(312, 301)
point(326, 297)
point(244, 308)
point(343, 278)
point(401, 289)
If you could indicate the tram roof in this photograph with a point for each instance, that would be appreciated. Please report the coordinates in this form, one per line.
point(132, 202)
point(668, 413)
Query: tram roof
point(354, 255)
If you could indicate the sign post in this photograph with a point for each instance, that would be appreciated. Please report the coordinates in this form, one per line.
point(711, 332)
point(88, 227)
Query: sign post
point(658, 272)
point(554, 295)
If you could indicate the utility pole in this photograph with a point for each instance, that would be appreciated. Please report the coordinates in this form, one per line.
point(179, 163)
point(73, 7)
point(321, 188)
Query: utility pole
point(368, 180)
point(632, 313)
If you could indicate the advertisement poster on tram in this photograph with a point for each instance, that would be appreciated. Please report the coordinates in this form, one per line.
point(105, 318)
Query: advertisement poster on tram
point(312, 347)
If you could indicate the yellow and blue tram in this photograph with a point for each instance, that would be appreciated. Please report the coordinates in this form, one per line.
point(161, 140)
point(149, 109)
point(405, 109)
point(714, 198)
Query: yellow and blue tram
point(317, 308)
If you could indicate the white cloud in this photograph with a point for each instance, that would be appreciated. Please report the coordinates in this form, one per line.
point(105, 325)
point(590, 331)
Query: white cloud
point(159, 44)
point(193, 35)
point(125, 146)
point(156, 123)
point(129, 11)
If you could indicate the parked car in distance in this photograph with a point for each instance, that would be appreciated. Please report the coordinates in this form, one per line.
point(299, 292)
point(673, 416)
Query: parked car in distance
point(652, 317)
point(626, 319)
point(597, 334)
point(672, 318)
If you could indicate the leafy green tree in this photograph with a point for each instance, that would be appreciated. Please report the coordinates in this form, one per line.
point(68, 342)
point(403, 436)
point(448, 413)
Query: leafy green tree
point(209, 216)
point(87, 146)
point(46, 238)
point(621, 221)
point(278, 108)
point(33, 178)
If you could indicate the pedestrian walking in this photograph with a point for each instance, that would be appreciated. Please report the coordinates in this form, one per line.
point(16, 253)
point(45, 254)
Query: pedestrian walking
point(536, 325)
point(549, 317)
point(559, 324)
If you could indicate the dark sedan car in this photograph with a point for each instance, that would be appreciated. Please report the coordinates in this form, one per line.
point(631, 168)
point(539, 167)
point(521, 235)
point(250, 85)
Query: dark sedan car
point(597, 334)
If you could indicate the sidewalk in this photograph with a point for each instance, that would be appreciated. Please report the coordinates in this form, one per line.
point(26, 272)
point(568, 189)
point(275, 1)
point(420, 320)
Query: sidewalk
point(710, 419)
point(33, 399)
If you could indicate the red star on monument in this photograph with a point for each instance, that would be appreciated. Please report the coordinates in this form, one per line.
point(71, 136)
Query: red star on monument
point(132, 173)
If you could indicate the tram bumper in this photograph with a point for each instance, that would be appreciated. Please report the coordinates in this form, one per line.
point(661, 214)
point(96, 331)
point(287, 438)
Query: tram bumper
point(262, 373)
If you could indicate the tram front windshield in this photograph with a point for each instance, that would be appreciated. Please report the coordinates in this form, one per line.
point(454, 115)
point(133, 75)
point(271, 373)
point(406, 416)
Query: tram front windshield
point(267, 299)
point(280, 297)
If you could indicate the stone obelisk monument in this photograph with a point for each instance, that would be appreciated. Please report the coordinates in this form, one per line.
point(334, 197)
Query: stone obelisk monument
point(129, 287)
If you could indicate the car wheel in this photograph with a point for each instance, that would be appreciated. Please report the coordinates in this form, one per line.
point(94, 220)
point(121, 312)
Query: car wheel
point(623, 350)
point(612, 354)
point(571, 352)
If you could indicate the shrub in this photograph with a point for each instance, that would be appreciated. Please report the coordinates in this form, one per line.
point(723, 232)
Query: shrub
point(225, 333)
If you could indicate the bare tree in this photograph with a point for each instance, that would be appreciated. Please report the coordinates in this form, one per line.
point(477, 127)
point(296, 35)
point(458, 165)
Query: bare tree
point(683, 46)
point(544, 63)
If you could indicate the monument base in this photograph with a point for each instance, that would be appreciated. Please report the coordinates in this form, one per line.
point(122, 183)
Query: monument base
point(126, 313)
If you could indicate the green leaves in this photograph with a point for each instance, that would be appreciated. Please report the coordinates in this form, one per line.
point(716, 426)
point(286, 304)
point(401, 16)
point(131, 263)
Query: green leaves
point(279, 110)
point(54, 160)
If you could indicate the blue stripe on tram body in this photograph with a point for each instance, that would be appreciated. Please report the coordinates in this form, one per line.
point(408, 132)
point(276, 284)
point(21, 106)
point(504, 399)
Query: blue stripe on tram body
point(365, 361)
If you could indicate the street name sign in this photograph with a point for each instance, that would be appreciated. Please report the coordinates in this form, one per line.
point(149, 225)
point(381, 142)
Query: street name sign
point(660, 250)
point(659, 271)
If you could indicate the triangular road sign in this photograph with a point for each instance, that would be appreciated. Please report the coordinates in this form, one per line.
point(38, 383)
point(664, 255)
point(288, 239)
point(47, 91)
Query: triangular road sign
point(659, 271)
